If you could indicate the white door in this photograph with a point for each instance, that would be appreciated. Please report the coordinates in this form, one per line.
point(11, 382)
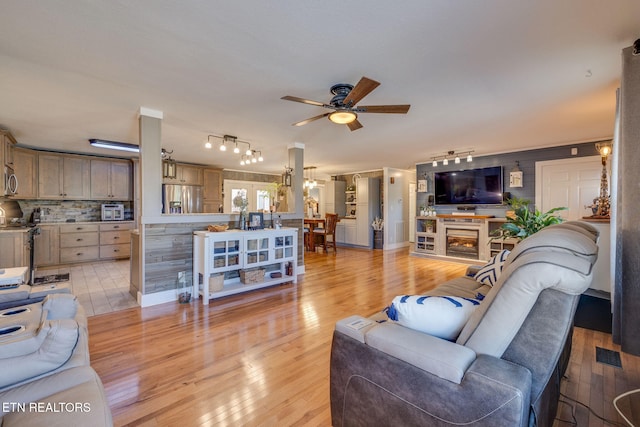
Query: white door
point(572, 183)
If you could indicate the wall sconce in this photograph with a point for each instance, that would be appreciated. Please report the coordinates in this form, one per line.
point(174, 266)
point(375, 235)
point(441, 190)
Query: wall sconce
point(515, 176)
point(455, 156)
point(286, 176)
point(169, 169)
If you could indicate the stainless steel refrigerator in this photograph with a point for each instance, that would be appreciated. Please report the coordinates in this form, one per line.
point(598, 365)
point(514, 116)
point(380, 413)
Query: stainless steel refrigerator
point(181, 199)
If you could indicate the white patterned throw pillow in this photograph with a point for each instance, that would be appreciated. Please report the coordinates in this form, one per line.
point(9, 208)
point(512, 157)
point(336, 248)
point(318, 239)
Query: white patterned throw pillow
point(490, 273)
point(441, 317)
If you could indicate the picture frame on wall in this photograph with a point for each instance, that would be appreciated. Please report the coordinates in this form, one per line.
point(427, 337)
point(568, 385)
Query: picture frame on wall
point(422, 186)
point(256, 221)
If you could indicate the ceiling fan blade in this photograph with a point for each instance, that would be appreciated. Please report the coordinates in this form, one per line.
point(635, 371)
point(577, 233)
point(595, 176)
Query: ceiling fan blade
point(309, 120)
point(304, 101)
point(354, 125)
point(394, 109)
point(362, 89)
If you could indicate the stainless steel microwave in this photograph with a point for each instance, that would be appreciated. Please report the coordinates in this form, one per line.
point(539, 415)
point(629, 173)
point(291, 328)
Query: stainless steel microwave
point(10, 182)
point(113, 212)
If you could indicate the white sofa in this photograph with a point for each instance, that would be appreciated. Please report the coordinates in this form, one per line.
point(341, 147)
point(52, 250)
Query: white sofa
point(45, 377)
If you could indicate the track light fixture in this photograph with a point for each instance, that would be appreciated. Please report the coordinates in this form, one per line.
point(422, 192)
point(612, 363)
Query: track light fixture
point(453, 155)
point(249, 156)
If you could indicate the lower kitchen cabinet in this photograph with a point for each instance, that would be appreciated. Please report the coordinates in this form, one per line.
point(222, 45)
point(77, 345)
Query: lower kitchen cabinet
point(46, 246)
point(79, 243)
point(82, 242)
point(14, 251)
point(115, 240)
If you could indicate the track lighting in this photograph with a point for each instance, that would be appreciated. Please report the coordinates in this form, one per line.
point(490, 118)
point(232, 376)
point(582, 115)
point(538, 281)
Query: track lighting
point(455, 156)
point(249, 156)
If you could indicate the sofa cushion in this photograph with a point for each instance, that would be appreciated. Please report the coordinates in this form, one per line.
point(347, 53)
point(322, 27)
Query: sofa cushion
point(493, 326)
point(60, 306)
point(465, 287)
point(490, 272)
point(21, 330)
point(558, 240)
point(442, 358)
point(57, 338)
point(440, 316)
point(77, 385)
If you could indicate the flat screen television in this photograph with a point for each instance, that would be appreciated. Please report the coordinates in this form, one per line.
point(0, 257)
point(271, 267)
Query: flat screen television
point(469, 187)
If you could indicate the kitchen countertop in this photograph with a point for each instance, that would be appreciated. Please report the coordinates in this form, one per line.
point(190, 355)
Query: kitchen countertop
point(25, 228)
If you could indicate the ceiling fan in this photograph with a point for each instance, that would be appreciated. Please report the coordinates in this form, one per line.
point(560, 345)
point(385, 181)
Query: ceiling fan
point(345, 98)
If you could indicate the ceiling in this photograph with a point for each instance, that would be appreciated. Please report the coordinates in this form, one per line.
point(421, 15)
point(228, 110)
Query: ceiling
point(489, 76)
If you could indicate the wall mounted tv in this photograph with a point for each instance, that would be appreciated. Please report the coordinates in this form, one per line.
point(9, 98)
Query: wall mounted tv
point(469, 187)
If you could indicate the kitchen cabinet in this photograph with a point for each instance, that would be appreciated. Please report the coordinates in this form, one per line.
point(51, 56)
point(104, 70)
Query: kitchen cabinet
point(79, 242)
point(212, 191)
point(274, 250)
point(115, 240)
point(110, 179)
point(186, 175)
point(63, 177)
point(25, 163)
point(6, 155)
point(14, 249)
point(46, 246)
point(8, 143)
point(365, 202)
point(334, 192)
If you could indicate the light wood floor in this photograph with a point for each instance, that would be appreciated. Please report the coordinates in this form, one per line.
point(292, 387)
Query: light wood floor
point(262, 359)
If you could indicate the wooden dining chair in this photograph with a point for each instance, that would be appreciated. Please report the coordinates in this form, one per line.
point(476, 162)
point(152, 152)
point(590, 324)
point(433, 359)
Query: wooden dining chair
point(328, 233)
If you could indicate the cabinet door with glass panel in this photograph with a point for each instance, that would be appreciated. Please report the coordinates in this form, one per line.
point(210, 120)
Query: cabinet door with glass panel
point(257, 250)
point(226, 253)
point(284, 246)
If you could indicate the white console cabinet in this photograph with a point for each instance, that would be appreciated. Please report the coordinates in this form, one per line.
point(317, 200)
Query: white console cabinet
point(228, 252)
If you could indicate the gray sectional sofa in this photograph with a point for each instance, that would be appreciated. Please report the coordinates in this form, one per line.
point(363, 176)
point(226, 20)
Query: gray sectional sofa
point(504, 368)
point(45, 377)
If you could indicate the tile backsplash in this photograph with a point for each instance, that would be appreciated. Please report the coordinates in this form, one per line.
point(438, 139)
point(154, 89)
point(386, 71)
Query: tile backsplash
point(64, 210)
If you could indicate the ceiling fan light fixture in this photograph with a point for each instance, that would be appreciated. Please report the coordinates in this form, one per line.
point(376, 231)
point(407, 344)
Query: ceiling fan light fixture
point(343, 117)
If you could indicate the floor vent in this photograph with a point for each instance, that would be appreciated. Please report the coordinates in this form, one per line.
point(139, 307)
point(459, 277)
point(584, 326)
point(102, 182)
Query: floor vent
point(608, 357)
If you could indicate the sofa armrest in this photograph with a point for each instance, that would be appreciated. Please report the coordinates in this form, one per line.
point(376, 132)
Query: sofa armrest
point(440, 357)
point(472, 270)
point(372, 387)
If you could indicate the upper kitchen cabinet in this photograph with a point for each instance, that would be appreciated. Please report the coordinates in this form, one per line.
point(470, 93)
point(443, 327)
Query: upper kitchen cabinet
point(212, 190)
point(7, 142)
point(110, 179)
point(63, 177)
point(186, 175)
point(25, 167)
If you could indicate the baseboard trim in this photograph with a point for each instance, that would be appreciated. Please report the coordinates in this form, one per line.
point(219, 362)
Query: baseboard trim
point(156, 298)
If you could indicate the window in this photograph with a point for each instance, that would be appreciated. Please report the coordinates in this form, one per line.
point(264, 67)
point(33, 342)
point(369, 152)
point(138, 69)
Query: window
point(257, 194)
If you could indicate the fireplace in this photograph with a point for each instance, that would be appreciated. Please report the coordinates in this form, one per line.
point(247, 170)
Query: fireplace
point(462, 243)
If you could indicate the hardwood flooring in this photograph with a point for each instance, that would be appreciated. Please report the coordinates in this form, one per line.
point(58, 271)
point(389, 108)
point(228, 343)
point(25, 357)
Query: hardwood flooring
point(262, 358)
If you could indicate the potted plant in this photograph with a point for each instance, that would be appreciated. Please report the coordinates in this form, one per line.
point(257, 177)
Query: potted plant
point(525, 221)
point(515, 203)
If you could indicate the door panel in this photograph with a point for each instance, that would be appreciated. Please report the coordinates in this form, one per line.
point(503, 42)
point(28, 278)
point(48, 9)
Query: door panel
point(572, 183)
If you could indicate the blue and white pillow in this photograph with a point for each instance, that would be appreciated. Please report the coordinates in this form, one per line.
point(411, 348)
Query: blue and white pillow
point(490, 273)
point(442, 317)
